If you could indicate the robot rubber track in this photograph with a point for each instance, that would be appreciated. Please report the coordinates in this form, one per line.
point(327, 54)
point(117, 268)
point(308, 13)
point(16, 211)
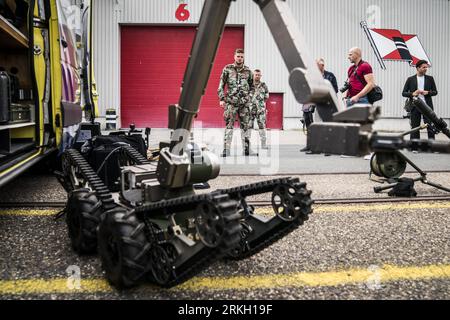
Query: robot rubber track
point(300, 204)
point(73, 159)
point(256, 234)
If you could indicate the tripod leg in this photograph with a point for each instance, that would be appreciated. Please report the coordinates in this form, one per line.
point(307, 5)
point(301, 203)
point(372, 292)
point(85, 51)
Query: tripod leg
point(438, 186)
point(423, 179)
point(412, 164)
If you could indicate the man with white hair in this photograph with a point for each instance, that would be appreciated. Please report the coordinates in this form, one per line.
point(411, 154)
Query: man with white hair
point(325, 110)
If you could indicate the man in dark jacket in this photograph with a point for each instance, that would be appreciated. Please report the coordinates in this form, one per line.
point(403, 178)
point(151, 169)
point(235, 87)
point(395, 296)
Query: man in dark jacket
point(424, 87)
point(325, 110)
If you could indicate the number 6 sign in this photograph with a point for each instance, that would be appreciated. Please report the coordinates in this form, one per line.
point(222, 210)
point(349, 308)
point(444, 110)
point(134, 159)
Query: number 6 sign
point(182, 14)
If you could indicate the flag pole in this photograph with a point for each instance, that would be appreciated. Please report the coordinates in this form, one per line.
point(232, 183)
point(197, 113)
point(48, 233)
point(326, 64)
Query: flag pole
point(372, 44)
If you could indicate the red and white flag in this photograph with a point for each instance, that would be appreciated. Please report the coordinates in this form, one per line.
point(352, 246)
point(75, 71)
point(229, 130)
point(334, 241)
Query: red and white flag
point(392, 45)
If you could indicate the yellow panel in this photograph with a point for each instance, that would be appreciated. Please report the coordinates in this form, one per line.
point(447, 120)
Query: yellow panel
point(36, 9)
point(91, 49)
point(94, 91)
point(40, 70)
point(56, 78)
point(25, 132)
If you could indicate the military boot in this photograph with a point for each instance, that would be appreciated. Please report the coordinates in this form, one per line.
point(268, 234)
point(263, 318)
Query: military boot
point(247, 150)
point(225, 153)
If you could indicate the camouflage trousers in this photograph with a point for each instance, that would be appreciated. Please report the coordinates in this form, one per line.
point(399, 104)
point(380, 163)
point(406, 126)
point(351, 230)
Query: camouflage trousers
point(229, 115)
point(259, 114)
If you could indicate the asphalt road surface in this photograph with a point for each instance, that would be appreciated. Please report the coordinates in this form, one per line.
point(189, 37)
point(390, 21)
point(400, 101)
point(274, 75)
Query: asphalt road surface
point(352, 251)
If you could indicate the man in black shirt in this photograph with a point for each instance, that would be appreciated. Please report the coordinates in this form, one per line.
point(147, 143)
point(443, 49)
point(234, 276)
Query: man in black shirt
point(422, 86)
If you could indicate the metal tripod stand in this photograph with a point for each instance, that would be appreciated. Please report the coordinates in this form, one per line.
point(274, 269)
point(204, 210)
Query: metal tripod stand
point(391, 172)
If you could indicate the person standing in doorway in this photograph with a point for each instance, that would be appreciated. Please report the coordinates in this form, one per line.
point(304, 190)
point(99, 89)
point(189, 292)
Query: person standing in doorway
point(258, 112)
point(237, 79)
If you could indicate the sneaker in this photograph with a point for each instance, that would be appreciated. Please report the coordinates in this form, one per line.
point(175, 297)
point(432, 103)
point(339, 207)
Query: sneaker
point(415, 151)
point(368, 157)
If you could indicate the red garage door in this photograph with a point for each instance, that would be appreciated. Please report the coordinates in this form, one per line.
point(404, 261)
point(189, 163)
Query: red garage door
point(274, 108)
point(153, 61)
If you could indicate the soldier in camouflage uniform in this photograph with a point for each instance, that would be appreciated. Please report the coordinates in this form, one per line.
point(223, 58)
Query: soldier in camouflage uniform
point(238, 79)
point(259, 96)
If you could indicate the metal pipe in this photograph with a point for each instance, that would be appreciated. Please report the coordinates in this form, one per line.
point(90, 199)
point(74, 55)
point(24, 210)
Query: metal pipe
point(404, 134)
point(372, 44)
point(412, 164)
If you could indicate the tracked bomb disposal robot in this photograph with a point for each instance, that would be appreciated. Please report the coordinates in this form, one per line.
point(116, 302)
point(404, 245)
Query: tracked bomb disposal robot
point(146, 219)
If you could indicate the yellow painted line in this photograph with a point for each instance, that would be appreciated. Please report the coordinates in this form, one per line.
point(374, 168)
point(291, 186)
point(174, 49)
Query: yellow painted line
point(383, 207)
point(13, 212)
point(36, 286)
point(369, 276)
point(321, 279)
point(269, 210)
point(371, 207)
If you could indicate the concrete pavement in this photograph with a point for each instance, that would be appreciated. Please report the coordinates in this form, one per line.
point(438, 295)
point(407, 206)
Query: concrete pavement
point(284, 156)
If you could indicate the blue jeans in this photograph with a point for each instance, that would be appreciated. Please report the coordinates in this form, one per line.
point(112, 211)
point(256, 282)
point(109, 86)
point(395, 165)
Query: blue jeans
point(363, 100)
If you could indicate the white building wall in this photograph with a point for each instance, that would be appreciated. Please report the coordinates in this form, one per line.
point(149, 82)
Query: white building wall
point(330, 28)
